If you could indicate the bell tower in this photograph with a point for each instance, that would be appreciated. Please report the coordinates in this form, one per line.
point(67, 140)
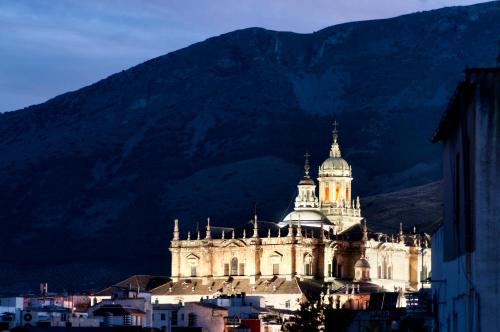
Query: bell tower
point(306, 197)
point(335, 176)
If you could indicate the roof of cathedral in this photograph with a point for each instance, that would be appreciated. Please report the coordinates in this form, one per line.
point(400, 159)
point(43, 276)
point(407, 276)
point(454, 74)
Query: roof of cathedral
point(143, 282)
point(229, 286)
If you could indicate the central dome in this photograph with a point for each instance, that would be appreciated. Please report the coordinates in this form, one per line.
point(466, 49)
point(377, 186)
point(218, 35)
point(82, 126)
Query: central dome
point(311, 218)
point(334, 163)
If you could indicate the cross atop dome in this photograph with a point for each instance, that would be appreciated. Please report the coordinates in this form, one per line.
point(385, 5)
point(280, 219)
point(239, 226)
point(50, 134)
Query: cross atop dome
point(335, 148)
point(306, 164)
point(335, 131)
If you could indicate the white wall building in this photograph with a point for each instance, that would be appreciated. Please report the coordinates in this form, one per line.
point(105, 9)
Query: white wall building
point(466, 248)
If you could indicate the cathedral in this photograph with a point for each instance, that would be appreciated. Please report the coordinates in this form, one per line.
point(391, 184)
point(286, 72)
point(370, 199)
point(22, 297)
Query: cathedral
point(324, 246)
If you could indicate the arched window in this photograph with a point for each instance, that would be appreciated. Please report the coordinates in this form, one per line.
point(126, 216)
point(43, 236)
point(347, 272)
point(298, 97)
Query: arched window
point(234, 266)
point(327, 194)
point(384, 268)
point(308, 265)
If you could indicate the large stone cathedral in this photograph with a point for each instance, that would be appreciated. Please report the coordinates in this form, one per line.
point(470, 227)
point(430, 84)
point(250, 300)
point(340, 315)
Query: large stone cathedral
point(323, 246)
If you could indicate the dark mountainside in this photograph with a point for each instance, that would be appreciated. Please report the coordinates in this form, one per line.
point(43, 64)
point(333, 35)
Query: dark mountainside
point(91, 180)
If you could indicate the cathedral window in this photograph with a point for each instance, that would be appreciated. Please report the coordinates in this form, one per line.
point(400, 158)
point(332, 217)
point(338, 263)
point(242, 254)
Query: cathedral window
point(327, 194)
point(308, 264)
point(287, 304)
point(384, 268)
point(337, 190)
point(330, 270)
point(193, 270)
point(307, 269)
point(276, 269)
point(389, 272)
point(242, 269)
point(379, 272)
point(234, 266)
point(226, 270)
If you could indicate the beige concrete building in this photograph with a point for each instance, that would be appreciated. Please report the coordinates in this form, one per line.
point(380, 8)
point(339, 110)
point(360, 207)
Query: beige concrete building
point(323, 244)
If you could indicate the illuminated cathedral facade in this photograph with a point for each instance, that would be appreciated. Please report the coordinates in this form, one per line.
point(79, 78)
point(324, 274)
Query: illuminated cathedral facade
point(323, 245)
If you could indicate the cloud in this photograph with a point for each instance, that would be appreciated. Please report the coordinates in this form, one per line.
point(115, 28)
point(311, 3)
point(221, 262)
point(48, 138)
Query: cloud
point(50, 47)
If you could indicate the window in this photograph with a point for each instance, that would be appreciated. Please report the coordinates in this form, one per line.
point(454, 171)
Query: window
point(379, 272)
point(347, 195)
point(327, 194)
point(226, 269)
point(308, 264)
point(424, 273)
point(191, 319)
point(173, 319)
point(307, 269)
point(193, 270)
point(234, 266)
point(389, 272)
point(287, 304)
point(162, 316)
point(330, 270)
point(337, 190)
point(242, 269)
point(276, 269)
point(334, 268)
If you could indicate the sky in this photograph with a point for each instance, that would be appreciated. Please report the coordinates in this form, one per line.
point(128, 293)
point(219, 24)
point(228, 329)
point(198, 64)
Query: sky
point(49, 47)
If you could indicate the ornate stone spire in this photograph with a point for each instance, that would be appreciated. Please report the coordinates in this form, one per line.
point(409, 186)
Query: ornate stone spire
point(208, 236)
point(335, 148)
point(299, 228)
point(255, 227)
point(176, 230)
point(365, 232)
point(401, 234)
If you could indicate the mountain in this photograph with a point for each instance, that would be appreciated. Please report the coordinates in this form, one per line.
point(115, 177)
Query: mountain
point(91, 180)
